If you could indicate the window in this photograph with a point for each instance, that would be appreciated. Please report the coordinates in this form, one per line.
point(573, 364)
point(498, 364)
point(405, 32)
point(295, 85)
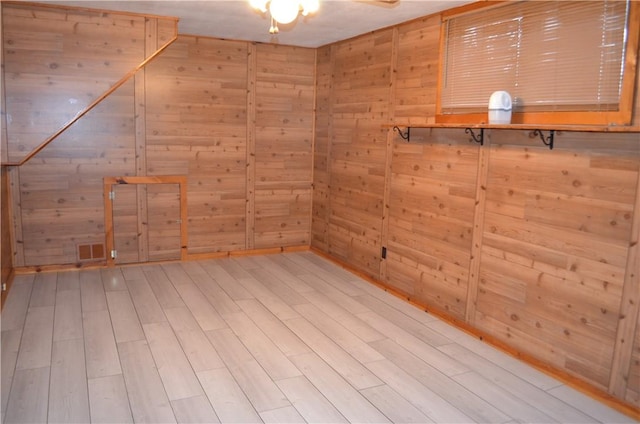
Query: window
point(563, 62)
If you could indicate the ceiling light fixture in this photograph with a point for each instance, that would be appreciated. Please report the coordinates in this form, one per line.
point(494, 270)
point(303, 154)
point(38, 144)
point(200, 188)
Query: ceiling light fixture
point(284, 11)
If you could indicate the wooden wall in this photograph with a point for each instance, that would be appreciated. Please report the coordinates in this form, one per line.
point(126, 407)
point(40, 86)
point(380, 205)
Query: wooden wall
point(356, 165)
point(284, 113)
point(6, 260)
point(58, 194)
point(59, 61)
point(321, 153)
point(555, 247)
point(197, 126)
point(632, 389)
point(234, 117)
point(431, 210)
point(535, 248)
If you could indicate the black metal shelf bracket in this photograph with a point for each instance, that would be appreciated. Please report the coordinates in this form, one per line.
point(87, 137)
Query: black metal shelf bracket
point(477, 138)
point(406, 135)
point(547, 141)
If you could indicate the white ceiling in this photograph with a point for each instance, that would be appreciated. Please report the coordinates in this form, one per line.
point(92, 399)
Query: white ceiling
point(234, 19)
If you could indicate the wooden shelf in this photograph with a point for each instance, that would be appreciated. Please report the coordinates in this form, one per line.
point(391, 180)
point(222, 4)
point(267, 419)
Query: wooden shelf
point(539, 130)
point(541, 127)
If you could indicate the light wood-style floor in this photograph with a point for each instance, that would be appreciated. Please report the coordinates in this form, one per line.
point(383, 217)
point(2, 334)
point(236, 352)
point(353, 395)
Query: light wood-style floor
point(278, 338)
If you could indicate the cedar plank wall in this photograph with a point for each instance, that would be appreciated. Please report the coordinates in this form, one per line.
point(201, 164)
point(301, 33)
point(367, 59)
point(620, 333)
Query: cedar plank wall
point(60, 189)
point(529, 246)
point(322, 143)
point(360, 93)
point(6, 260)
point(285, 86)
point(204, 108)
point(57, 196)
point(538, 223)
point(197, 126)
point(59, 61)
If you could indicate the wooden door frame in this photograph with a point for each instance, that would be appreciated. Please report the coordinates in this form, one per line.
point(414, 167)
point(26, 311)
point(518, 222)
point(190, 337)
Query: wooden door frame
point(109, 182)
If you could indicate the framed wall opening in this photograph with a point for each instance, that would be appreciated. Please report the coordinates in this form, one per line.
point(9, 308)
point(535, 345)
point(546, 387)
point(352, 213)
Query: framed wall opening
point(145, 218)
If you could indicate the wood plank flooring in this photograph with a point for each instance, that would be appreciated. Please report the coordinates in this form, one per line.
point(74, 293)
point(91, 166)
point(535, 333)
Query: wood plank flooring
point(275, 339)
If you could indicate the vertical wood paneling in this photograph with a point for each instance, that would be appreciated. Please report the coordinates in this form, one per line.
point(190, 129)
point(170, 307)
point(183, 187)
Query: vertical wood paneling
point(6, 248)
point(431, 213)
point(196, 126)
point(142, 218)
point(432, 185)
point(15, 215)
point(4, 139)
point(417, 73)
point(283, 145)
point(185, 114)
point(478, 230)
point(531, 246)
point(125, 223)
point(357, 165)
point(165, 30)
point(61, 189)
point(250, 209)
point(59, 61)
point(322, 149)
point(388, 159)
point(164, 221)
point(635, 118)
point(624, 372)
point(151, 44)
point(556, 238)
point(632, 394)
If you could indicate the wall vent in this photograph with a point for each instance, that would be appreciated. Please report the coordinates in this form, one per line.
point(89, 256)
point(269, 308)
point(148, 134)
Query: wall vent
point(88, 252)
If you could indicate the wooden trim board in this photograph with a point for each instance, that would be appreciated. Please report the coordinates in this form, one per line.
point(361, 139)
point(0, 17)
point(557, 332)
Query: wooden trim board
point(109, 182)
point(26, 270)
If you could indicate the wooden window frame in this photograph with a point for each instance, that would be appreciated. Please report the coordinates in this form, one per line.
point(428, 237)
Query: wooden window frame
point(109, 182)
point(621, 117)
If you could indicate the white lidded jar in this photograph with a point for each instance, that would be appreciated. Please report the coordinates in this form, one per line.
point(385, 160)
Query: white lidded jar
point(500, 108)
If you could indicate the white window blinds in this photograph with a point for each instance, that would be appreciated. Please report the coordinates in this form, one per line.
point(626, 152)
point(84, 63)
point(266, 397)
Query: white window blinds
point(549, 55)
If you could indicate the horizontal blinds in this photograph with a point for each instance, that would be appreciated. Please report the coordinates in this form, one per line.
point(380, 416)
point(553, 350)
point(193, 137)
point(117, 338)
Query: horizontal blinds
point(549, 55)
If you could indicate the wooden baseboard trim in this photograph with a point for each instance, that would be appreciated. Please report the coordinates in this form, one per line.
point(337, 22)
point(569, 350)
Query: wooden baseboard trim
point(250, 252)
point(569, 379)
point(190, 257)
point(25, 270)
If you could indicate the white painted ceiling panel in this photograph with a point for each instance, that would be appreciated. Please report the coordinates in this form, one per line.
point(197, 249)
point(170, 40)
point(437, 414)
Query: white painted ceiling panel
point(235, 19)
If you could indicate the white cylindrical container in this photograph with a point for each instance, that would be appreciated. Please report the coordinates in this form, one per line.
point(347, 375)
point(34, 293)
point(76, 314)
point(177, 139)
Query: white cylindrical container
point(500, 108)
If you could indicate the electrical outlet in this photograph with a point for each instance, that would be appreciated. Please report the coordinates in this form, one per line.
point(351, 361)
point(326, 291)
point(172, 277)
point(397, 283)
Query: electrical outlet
point(4, 286)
